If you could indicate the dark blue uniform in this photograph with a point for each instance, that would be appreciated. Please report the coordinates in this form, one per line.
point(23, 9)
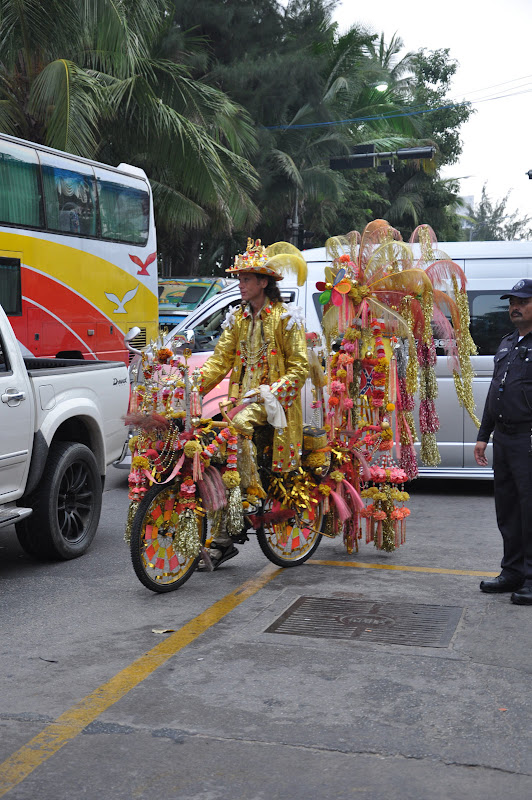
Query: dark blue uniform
point(508, 414)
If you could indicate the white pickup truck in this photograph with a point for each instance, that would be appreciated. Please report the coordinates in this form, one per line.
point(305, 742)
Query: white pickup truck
point(60, 427)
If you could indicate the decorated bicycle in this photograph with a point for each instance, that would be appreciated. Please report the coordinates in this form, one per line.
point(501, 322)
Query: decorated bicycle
point(259, 469)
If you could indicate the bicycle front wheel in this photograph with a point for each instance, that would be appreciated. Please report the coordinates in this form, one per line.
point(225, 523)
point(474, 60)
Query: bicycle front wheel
point(157, 562)
point(291, 542)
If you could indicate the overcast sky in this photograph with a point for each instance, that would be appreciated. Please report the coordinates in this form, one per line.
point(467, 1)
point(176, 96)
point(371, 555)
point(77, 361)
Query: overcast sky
point(492, 43)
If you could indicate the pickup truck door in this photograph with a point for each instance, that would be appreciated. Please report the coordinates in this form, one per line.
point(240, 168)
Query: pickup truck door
point(16, 425)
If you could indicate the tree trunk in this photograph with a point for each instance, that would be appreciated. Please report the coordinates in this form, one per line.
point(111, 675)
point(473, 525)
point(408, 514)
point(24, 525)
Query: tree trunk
point(191, 261)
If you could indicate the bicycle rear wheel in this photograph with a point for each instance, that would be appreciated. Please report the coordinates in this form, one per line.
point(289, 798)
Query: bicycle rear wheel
point(157, 562)
point(291, 542)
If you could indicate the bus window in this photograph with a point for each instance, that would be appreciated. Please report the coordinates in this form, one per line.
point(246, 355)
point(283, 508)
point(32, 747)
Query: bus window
point(20, 198)
point(124, 211)
point(10, 288)
point(69, 196)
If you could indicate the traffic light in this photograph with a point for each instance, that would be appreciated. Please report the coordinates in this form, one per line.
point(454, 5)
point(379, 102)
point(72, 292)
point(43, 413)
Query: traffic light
point(358, 158)
point(365, 156)
point(304, 238)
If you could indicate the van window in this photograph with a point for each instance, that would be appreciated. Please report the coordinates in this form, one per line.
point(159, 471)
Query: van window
point(317, 305)
point(208, 331)
point(489, 320)
point(192, 297)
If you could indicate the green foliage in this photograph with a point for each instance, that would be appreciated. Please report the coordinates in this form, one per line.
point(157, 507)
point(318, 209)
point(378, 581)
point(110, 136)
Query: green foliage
point(100, 85)
point(234, 109)
point(433, 73)
point(490, 221)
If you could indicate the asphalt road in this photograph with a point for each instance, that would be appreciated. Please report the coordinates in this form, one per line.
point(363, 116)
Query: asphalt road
point(96, 704)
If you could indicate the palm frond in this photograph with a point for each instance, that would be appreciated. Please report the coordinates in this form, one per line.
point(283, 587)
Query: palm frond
point(172, 208)
point(69, 101)
point(286, 165)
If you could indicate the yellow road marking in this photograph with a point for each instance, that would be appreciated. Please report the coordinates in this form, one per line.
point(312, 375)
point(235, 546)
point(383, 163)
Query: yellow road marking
point(436, 570)
point(67, 726)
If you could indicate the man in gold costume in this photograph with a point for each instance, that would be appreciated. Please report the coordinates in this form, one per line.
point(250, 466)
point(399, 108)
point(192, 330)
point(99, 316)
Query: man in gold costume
point(263, 343)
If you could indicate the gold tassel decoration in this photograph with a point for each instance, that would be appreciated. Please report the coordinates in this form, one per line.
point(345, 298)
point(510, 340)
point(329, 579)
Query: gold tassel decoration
point(466, 347)
point(186, 538)
point(234, 516)
point(247, 466)
point(430, 455)
point(215, 519)
point(133, 507)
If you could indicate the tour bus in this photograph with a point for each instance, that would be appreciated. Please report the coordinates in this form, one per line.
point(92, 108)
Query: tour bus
point(492, 268)
point(78, 256)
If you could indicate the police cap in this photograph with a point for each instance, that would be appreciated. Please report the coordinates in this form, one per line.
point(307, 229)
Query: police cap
point(522, 288)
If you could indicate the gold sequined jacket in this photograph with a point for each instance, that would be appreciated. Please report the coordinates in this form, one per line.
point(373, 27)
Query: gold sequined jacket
point(284, 368)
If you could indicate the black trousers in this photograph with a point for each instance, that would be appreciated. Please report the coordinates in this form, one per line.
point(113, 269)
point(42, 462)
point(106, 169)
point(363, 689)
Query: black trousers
point(512, 465)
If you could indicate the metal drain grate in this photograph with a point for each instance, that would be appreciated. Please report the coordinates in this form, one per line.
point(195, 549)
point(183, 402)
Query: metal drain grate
point(383, 623)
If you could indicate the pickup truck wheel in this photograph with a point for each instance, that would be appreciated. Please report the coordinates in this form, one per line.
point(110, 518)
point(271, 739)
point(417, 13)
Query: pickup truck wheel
point(66, 505)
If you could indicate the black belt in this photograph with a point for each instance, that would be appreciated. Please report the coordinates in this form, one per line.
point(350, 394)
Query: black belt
point(514, 427)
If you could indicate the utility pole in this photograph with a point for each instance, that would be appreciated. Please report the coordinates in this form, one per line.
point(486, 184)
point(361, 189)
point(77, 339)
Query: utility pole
point(293, 224)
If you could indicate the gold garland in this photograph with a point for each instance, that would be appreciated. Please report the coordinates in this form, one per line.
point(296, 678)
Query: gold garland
point(412, 367)
point(463, 382)
point(430, 455)
point(234, 517)
point(186, 538)
point(133, 508)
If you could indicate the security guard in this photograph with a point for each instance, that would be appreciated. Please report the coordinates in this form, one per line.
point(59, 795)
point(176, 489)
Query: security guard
point(508, 414)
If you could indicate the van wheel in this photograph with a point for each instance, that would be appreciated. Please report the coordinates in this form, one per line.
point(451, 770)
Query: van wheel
point(66, 505)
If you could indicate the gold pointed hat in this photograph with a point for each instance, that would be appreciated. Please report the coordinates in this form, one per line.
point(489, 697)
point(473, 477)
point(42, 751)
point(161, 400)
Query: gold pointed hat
point(272, 261)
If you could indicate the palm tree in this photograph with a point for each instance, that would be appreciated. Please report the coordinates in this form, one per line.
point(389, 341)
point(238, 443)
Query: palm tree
point(298, 157)
point(99, 84)
point(397, 73)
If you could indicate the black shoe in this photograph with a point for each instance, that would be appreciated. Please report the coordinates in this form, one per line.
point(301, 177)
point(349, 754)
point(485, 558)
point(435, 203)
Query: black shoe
point(241, 538)
point(218, 553)
point(500, 584)
point(523, 597)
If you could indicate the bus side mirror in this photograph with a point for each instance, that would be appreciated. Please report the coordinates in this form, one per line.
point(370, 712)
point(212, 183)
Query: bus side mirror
point(131, 334)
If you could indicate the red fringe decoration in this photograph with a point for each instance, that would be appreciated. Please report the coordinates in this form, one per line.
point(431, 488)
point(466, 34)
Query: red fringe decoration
point(148, 422)
point(409, 461)
point(428, 418)
point(342, 508)
point(407, 401)
point(271, 517)
point(354, 495)
point(212, 490)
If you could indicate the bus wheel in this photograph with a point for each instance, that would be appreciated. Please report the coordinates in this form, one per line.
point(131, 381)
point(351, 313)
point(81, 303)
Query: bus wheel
point(66, 505)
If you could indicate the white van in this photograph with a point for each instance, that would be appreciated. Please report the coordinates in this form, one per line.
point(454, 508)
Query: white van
point(492, 268)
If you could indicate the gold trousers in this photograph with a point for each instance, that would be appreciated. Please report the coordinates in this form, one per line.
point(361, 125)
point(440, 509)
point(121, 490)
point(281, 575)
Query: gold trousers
point(251, 417)
point(245, 422)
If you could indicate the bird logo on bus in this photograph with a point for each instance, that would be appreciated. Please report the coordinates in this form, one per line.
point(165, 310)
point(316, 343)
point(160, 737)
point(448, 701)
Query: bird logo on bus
point(143, 264)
